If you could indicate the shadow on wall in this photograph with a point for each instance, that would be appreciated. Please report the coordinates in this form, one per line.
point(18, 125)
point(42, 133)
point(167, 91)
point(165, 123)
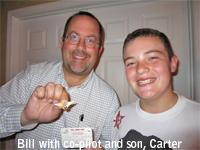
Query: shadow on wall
point(1, 144)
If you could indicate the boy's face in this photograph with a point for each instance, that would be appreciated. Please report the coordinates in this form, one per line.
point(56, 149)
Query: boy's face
point(148, 68)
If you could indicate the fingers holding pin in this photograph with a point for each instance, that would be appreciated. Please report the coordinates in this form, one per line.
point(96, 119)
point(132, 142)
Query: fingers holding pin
point(56, 94)
point(65, 105)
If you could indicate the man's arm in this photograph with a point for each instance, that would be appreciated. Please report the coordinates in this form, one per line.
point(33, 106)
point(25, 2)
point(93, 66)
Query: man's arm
point(106, 133)
point(15, 111)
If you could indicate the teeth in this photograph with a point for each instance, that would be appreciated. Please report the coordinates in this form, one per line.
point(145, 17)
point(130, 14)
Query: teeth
point(146, 81)
point(79, 57)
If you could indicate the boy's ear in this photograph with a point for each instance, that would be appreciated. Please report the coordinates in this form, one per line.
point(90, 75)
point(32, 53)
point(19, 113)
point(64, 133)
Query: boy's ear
point(174, 63)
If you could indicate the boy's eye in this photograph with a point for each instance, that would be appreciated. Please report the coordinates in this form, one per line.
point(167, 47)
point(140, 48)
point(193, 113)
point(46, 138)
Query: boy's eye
point(129, 64)
point(151, 58)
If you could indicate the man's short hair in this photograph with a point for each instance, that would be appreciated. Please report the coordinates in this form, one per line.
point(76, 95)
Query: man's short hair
point(84, 13)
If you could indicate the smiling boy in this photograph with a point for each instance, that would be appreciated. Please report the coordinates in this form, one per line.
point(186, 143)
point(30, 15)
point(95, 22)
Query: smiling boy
point(160, 114)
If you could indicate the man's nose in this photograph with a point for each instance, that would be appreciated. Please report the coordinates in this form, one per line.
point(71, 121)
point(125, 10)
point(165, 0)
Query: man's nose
point(81, 44)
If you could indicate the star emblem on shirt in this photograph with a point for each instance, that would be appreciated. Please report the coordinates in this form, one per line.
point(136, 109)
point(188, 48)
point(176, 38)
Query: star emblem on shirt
point(118, 120)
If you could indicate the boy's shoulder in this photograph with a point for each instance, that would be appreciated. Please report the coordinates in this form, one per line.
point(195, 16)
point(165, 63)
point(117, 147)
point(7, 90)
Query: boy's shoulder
point(127, 108)
point(190, 104)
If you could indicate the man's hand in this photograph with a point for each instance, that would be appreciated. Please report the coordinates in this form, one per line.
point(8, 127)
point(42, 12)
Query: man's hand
point(40, 107)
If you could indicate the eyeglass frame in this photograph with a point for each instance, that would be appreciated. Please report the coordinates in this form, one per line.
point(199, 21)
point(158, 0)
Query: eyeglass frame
point(79, 38)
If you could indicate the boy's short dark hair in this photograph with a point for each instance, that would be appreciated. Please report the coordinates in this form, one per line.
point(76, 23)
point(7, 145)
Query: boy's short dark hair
point(81, 13)
point(147, 32)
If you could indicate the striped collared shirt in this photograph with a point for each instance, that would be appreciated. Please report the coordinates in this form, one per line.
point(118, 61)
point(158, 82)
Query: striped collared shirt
point(96, 100)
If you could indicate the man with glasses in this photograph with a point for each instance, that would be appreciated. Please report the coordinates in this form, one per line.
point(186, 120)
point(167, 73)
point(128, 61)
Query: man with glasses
point(32, 102)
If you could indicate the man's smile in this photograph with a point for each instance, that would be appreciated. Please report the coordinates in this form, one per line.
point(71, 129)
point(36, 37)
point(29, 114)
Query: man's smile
point(79, 57)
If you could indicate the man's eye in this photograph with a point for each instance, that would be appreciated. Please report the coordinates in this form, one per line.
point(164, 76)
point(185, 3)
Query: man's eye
point(74, 37)
point(90, 40)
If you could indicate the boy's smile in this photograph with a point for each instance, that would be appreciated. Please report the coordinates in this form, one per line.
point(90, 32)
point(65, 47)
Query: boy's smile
point(145, 81)
point(148, 68)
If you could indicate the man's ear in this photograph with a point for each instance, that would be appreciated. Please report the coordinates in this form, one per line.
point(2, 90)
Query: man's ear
point(174, 63)
point(62, 42)
point(100, 50)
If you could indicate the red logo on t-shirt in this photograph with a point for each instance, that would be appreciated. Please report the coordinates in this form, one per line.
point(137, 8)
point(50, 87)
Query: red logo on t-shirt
point(118, 120)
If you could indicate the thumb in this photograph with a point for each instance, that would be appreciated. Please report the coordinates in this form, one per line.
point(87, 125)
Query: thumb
point(57, 111)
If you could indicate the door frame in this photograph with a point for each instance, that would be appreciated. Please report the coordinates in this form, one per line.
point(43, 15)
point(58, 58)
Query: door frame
point(16, 16)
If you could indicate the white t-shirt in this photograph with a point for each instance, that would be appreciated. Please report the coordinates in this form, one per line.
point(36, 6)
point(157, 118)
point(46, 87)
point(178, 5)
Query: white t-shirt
point(177, 128)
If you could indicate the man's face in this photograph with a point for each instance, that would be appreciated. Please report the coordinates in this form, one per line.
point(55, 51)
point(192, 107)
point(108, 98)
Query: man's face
point(78, 58)
point(148, 69)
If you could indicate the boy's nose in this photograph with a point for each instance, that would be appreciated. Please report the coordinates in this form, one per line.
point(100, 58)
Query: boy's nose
point(142, 68)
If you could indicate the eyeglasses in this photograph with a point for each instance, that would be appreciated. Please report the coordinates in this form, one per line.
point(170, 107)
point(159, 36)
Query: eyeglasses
point(75, 39)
